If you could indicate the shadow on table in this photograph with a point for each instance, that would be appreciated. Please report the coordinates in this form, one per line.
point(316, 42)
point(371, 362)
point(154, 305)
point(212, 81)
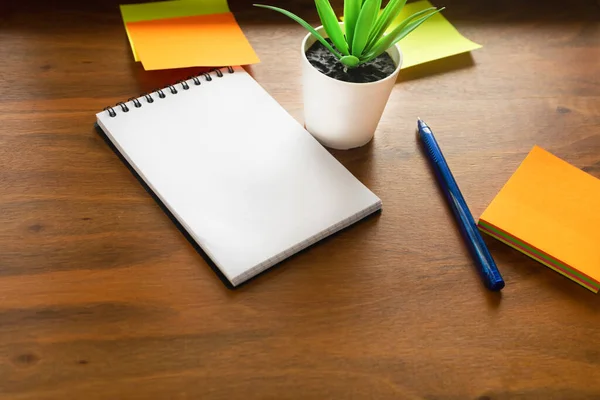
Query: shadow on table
point(148, 81)
point(457, 11)
point(437, 67)
point(520, 268)
point(359, 161)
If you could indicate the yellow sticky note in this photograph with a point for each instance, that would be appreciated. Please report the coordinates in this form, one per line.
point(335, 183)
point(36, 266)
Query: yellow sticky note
point(168, 9)
point(436, 38)
point(213, 40)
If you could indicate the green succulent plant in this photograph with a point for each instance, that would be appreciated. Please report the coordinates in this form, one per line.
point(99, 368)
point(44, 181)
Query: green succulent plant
point(363, 36)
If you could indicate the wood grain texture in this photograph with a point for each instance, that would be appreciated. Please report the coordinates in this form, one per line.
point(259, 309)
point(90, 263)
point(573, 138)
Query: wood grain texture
point(101, 297)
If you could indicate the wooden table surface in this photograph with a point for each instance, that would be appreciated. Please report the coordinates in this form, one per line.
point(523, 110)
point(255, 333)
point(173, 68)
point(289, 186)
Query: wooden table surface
point(101, 297)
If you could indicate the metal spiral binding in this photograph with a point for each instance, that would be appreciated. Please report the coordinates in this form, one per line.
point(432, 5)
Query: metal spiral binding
point(172, 89)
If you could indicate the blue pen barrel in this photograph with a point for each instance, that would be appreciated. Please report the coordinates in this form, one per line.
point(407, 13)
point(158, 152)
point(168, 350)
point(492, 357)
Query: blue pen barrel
point(481, 255)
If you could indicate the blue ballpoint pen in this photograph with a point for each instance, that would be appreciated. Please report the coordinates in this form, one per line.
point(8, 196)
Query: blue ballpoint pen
point(479, 251)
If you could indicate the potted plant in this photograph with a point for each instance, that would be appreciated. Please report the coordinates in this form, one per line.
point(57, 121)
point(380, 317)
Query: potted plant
point(349, 68)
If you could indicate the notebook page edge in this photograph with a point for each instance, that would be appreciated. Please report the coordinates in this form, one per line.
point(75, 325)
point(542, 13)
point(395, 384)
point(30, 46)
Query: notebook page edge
point(159, 195)
point(372, 203)
point(278, 258)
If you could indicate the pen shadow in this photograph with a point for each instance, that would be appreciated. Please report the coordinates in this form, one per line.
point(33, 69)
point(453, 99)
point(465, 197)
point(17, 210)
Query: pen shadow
point(494, 299)
point(437, 67)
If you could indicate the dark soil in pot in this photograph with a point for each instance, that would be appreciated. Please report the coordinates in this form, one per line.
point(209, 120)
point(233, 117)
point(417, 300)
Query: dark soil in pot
point(326, 63)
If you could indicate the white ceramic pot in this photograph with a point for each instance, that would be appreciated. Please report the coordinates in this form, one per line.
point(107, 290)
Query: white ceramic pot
point(343, 115)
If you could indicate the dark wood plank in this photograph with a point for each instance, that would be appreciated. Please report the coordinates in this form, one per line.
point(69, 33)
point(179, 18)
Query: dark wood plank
point(101, 297)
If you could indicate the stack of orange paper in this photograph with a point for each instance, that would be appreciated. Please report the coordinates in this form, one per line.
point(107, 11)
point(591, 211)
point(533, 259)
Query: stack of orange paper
point(186, 33)
point(550, 211)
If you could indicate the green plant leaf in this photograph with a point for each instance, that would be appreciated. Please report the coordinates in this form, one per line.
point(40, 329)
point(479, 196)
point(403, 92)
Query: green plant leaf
point(351, 11)
point(414, 24)
point(384, 20)
point(305, 25)
point(350, 61)
point(364, 24)
point(407, 26)
point(332, 25)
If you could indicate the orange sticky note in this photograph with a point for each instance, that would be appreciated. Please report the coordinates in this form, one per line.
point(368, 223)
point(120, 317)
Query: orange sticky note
point(197, 41)
point(550, 211)
point(168, 9)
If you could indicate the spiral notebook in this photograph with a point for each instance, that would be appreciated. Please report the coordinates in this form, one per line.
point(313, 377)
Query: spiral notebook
point(246, 182)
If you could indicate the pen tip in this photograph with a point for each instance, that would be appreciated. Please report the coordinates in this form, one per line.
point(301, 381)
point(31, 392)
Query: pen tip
point(419, 119)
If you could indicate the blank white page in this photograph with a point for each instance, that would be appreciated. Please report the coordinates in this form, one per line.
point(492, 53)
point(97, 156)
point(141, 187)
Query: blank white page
point(249, 184)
